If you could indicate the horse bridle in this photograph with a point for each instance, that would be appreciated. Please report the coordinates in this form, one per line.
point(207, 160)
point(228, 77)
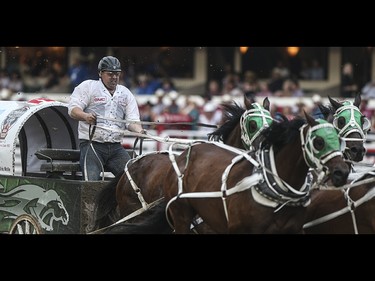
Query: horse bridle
point(258, 114)
point(354, 116)
point(276, 189)
point(317, 159)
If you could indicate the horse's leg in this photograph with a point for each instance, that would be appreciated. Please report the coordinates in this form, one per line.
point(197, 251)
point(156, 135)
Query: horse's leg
point(182, 216)
point(121, 196)
point(126, 196)
point(105, 206)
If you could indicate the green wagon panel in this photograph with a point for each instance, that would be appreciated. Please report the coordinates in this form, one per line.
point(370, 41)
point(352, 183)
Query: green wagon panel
point(60, 206)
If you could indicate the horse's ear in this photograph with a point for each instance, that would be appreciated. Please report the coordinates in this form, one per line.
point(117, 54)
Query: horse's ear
point(310, 120)
point(334, 103)
point(247, 102)
point(357, 99)
point(325, 111)
point(266, 103)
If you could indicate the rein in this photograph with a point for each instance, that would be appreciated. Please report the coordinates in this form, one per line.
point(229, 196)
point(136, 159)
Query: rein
point(128, 217)
point(158, 123)
point(166, 139)
point(91, 135)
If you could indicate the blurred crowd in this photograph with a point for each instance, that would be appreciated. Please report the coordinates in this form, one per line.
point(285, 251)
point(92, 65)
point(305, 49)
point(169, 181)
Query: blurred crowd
point(166, 104)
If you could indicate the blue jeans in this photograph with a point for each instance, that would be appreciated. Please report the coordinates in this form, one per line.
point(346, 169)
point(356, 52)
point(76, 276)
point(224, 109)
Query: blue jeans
point(99, 157)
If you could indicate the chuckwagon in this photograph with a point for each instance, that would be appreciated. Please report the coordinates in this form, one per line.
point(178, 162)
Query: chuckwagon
point(41, 187)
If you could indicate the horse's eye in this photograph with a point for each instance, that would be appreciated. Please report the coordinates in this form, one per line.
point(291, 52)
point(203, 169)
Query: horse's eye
point(253, 126)
point(341, 122)
point(318, 143)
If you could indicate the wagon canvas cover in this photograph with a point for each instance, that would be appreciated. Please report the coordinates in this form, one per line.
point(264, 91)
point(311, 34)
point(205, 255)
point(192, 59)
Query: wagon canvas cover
point(34, 124)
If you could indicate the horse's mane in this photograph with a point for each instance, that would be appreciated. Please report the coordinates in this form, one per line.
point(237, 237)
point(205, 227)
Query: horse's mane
point(328, 111)
point(231, 117)
point(281, 133)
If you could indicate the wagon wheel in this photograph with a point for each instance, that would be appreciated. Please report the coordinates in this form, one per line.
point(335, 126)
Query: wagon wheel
point(25, 224)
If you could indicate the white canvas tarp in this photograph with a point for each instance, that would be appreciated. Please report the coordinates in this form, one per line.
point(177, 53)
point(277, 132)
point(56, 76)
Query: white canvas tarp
point(35, 124)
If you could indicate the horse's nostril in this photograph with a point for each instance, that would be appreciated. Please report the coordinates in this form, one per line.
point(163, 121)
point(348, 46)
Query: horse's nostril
point(340, 176)
point(360, 151)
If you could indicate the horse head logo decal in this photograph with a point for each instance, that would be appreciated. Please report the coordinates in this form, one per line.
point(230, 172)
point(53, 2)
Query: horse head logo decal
point(45, 205)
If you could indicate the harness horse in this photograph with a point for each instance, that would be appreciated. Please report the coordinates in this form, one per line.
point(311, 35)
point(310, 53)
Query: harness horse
point(234, 193)
point(348, 210)
point(351, 125)
point(140, 186)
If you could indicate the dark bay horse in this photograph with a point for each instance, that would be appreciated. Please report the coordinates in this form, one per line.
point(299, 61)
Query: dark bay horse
point(344, 211)
point(130, 194)
point(232, 193)
point(332, 211)
point(351, 125)
point(241, 127)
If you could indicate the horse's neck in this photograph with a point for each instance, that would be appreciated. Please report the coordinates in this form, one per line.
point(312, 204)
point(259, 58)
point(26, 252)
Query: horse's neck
point(234, 138)
point(291, 165)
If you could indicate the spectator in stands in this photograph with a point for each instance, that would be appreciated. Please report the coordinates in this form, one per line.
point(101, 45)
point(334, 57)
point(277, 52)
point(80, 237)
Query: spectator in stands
point(288, 111)
point(250, 89)
point(296, 89)
point(232, 88)
point(291, 88)
point(368, 91)
point(160, 106)
point(173, 108)
point(283, 70)
point(348, 85)
point(77, 73)
point(276, 81)
point(316, 72)
point(315, 111)
point(367, 111)
point(213, 89)
point(4, 79)
point(167, 85)
point(53, 73)
point(98, 102)
point(263, 90)
point(300, 108)
point(210, 115)
point(146, 85)
point(15, 84)
point(305, 72)
point(146, 113)
point(192, 110)
point(5, 93)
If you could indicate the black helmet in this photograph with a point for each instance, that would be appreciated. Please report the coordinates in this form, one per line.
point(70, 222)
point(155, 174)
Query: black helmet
point(109, 63)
